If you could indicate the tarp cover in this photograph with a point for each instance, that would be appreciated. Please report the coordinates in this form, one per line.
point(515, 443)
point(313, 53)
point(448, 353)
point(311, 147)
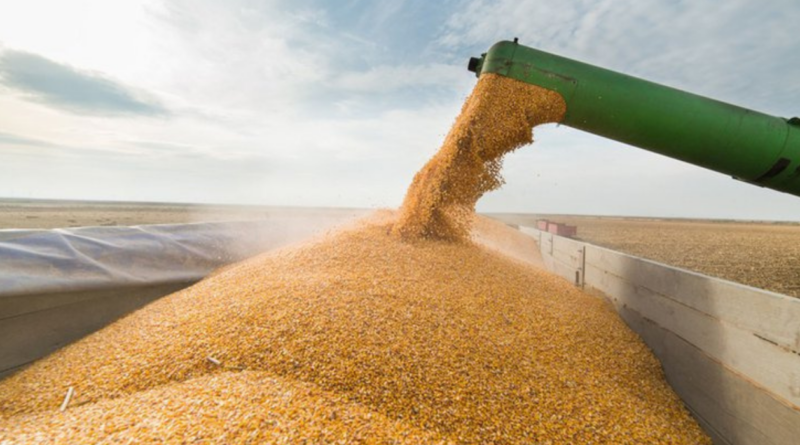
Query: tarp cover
point(62, 260)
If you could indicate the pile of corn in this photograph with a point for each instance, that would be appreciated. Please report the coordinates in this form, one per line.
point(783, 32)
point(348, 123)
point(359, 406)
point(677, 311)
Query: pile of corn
point(496, 119)
point(357, 335)
point(366, 336)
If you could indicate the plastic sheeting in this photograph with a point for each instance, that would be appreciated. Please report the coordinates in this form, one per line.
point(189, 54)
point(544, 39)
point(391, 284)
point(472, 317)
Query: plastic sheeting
point(87, 258)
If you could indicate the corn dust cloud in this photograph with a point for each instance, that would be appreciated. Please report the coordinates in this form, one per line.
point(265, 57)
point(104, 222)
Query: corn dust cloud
point(496, 118)
point(360, 337)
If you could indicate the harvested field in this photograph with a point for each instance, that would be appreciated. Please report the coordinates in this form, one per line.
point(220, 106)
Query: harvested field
point(439, 340)
point(51, 214)
point(764, 255)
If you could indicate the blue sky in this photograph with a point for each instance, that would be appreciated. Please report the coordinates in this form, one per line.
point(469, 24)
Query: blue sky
point(339, 103)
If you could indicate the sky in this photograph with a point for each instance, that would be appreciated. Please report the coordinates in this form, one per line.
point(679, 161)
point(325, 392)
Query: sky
point(320, 103)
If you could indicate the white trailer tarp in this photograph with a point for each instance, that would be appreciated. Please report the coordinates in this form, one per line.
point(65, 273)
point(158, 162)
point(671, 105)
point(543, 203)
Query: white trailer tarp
point(61, 260)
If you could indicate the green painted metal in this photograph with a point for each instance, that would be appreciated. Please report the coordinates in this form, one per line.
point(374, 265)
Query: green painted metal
point(751, 146)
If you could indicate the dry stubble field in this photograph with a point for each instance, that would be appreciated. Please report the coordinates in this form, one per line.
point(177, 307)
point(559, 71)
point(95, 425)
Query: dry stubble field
point(51, 214)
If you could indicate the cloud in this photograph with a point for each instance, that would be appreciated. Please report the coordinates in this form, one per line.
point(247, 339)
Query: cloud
point(388, 78)
point(67, 88)
point(19, 146)
point(305, 59)
point(16, 145)
point(13, 139)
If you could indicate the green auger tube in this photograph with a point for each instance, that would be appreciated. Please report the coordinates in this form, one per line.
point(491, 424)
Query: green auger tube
point(750, 146)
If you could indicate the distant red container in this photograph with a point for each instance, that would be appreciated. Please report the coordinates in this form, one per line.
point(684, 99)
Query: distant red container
point(569, 231)
point(562, 229)
point(542, 224)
